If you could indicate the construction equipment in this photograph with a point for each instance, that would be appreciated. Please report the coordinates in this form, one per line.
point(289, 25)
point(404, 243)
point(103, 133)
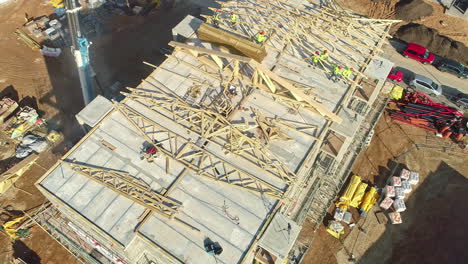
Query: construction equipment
point(57, 3)
point(28, 40)
point(417, 109)
point(12, 223)
point(80, 50)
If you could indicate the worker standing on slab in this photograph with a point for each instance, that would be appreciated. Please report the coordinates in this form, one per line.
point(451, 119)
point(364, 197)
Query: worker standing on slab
point(315, 59)
point(337, 71)
point(216, 18)
point(260, 37)
point(234, 18)
point(149, 152)
point(324, 56)
point(347, 72)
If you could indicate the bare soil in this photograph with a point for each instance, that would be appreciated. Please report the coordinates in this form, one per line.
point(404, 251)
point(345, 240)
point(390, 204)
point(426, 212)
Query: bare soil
point(449, 26)
point(430, 225)
point(38, 247)
point(410, 10)
point(431, 39)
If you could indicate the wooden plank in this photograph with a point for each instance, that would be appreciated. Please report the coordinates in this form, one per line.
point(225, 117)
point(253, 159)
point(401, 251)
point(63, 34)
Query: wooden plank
point(209, 51)
point(245, 46)
point(297, 93)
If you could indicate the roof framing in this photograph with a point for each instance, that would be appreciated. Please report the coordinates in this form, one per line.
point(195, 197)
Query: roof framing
point(195, 157)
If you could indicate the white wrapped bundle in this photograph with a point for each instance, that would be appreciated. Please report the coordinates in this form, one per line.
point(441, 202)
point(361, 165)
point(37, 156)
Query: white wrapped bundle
point(336, 226)
point(414, 178)
point(399, 193)
point(406, 186)
point(347, 217)
point(396, 181)
point(395, 218)
point(386, 203)
point(338, 214)
point(399, 205)
point(405, 174)
point(389, 191)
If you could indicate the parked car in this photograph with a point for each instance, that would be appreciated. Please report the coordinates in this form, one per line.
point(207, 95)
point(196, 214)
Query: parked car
point(461, 100)
point(395, 75)
point(426, 85)
point(453, 67)
point(419, 53)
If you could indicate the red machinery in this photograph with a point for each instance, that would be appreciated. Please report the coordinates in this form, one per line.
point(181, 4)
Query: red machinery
point(417, 109)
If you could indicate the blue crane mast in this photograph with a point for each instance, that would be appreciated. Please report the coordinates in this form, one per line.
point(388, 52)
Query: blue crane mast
point(80, 49)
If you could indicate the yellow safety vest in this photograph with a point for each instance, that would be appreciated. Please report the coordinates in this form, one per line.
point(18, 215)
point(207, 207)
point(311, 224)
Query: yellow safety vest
point(324, 56)
point(216, 17)
point(260, 37)
point(337, 70)
point(233, 18)
point(315, 58)
point(347, 72)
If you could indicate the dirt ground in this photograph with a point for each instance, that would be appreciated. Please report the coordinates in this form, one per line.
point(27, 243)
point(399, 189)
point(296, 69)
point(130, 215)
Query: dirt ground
point(452, 27)
point(51, 86)
point(37, 247)
point(429, 224)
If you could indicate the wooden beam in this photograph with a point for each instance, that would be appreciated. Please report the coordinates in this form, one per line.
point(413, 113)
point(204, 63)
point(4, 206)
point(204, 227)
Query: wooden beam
point(297, 93)
point(209, 51)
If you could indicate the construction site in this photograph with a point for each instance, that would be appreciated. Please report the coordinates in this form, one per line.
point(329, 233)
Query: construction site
point(252, 131)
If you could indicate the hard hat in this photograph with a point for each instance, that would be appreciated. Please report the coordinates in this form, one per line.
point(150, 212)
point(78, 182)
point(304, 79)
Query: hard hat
point(217, 10)
point(351, 69)
point(262, 33)
point(339, 67)
point(325, 51)
point(317, 52)
point(232, 13)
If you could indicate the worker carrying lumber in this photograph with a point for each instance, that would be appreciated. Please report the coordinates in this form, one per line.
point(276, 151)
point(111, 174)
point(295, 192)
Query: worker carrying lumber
point(260, 37)
point(234, 18)
point(347, 72)
point(324, 56)
point(337, 71)
point(216, 18)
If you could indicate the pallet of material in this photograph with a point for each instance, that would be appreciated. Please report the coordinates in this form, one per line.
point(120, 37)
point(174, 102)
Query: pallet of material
point(7, 107)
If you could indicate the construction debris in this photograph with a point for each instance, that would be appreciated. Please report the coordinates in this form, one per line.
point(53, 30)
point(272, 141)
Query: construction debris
point(28, 40)
point(7, 107)
point(8, 178)
point(24, 121)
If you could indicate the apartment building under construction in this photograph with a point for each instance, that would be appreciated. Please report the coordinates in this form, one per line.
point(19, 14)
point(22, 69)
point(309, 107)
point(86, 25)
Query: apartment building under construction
point(250, 139)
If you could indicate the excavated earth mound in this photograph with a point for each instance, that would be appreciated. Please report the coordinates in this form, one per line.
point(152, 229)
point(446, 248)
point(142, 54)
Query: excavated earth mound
point(436, 43)
point(410, 10)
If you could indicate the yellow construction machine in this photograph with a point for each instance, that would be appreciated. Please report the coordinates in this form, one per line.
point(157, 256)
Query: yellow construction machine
point(57, 3)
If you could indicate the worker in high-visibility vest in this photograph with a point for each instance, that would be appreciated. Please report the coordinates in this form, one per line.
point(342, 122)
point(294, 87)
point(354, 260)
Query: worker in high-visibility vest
point(216, 18)
point(315, 59)
point(260, 37)
point(234, 18)
point(347, 72)
point(324, 56)
point(337, 71)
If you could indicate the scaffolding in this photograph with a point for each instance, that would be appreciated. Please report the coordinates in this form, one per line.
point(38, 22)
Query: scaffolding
point(50, 220)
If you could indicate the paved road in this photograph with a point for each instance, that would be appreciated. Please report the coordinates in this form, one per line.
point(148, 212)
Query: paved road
point(451, 84)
